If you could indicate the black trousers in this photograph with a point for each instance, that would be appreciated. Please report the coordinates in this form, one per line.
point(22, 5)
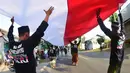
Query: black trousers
point(25, 69)
point(116, 60)
point(116, 68)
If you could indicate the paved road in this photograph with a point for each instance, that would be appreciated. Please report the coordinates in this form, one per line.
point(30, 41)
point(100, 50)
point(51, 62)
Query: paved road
point(88, 63)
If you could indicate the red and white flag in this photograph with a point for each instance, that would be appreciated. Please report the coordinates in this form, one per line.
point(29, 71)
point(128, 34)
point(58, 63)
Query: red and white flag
point(69, 20)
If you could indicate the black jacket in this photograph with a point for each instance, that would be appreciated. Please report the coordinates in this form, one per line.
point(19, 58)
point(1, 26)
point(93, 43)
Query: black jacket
point(117, 42)
point(74, 47)
point(22, 51)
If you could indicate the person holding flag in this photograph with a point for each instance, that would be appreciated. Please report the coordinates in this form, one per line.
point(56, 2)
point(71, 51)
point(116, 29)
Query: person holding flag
point(117, 37)
point(24, 60)
point(74, 51)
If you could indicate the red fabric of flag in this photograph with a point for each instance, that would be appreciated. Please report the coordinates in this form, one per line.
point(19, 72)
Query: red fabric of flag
point(82, 16)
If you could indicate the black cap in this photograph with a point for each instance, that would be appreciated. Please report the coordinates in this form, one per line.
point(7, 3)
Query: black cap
point(23, 29)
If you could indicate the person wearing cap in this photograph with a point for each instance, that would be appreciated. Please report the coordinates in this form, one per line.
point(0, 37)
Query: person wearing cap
point(24, 60)
point(117, 37)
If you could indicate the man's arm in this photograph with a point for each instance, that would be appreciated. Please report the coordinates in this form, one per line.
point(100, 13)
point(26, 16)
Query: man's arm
point(10, 33)
point(34, 40)
point(122, 31)
point(79, 42)
point(121, 21)
point(102, 26)
point(70, 42)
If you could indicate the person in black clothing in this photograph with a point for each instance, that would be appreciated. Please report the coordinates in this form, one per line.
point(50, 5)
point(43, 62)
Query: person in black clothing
point(117, 37)
point(51, 52)
point(65, 50)
point(57, 51)
point(52, 56)
point(74, 52)
point(24, 61)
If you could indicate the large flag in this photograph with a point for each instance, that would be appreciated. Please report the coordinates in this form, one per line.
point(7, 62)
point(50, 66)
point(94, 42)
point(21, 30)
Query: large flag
point(69, 20)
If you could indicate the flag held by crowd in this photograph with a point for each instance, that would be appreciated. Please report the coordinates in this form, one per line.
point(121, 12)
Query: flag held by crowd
point(69, 20)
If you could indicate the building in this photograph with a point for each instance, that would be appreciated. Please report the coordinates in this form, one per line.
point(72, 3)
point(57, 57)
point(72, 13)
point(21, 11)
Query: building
point(92, 43)
point(126, 18)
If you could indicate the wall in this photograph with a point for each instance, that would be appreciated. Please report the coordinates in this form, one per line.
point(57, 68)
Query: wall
point(126, 12)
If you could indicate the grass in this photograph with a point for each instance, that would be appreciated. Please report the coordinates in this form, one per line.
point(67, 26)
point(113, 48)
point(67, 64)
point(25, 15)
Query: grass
point(42, 60)
point(82, 50)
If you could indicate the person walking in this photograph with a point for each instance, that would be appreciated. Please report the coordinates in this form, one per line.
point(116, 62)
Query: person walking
point(74, 52)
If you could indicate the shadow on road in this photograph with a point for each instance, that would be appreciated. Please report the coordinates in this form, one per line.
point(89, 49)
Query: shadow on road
point(103, 54)
point(63, 63)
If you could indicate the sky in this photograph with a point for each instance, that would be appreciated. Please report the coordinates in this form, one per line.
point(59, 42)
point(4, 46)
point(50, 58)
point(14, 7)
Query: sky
point(5, 23)
point(92, 33)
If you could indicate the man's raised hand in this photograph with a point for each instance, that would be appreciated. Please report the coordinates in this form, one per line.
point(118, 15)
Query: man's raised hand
point(49, 11)
point(98, 12)
point(12, 20)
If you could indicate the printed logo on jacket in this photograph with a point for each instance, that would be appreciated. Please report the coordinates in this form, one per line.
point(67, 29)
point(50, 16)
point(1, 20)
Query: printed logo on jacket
point(19, 55)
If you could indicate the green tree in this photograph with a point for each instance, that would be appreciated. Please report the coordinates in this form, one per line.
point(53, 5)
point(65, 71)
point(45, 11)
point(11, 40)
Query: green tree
point(83, 39)
point(101, 39)
point(113, 17)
